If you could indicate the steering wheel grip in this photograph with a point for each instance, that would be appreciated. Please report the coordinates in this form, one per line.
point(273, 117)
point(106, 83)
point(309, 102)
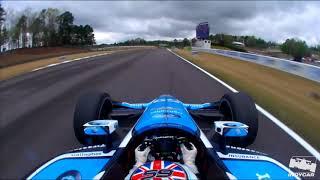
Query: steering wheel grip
point(188, 145)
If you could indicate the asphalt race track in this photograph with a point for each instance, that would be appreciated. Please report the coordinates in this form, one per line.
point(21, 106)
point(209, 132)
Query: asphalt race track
point(37, 108)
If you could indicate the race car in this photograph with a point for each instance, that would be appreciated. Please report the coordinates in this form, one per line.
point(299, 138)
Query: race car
point(164, 139)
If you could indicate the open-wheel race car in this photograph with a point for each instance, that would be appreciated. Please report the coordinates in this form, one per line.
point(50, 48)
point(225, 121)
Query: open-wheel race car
point(164, 139)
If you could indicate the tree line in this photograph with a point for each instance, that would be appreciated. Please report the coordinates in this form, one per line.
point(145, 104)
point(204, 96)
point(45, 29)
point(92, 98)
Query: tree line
point(48, 27)
point(249, 41)
point(139, 41)
point(292, 46)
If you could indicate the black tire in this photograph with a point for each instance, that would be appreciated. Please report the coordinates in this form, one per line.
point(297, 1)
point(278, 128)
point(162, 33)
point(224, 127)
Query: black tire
point(240, 107)
point(90, 106)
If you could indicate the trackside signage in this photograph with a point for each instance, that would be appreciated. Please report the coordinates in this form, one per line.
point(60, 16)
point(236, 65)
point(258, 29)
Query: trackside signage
point(301, 69)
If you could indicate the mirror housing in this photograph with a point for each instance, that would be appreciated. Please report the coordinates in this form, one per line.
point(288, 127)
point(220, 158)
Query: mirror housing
point(231, 128)
point(100, 127)
point(230, 133)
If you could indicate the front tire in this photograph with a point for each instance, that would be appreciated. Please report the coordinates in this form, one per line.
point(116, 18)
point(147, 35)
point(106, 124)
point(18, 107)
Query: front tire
point(241, 108)
point(90, 106)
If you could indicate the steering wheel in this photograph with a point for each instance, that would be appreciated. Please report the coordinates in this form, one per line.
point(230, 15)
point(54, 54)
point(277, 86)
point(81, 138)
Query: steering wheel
point(165, 147)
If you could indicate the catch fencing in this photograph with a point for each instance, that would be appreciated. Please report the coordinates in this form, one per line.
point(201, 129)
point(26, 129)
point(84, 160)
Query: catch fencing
point(301, 69)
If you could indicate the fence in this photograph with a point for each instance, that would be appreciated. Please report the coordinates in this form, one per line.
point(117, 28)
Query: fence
point(301, 69)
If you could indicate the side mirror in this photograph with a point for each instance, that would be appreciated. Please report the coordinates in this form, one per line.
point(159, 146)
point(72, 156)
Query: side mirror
point(100, 127)
point(230, 133)
point(231, 128)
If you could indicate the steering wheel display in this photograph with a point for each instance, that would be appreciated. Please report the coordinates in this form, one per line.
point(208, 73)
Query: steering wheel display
point(165, 147)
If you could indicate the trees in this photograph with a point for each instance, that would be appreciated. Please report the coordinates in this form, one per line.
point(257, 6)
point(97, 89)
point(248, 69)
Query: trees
point(316, 48)
point(185, 42)
point(296, 48)
point(65, 21)
point(193, 41)
point(51, 26)
point(226, 40)
point(3, 30)
point(3, 36)
point(70, 34)
point(82, 35)
point(22, 29)
point(35, 28)
point(88, 36)
point(222, 39)
point(161, 43)
point(175, 42)
point(48, 27)
point(2, 15)
point(43, 29)
point(252, 41)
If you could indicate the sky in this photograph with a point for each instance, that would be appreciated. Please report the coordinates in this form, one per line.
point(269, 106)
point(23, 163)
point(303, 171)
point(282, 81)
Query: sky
point(167, 20)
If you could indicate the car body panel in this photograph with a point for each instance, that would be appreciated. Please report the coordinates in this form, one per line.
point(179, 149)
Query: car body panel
point(87, 164)
point(255, 166)
point(94, 162)
point(166, 112)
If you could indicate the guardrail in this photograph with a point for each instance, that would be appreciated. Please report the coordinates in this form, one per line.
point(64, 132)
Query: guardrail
point(301, 69)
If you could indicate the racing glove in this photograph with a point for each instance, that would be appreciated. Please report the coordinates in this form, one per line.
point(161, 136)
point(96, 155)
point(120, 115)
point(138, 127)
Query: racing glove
point(141, 158)
point(141, 155)
point(189, 157)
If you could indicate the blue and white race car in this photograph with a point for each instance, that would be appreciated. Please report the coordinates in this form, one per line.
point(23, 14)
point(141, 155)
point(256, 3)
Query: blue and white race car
point(164, 139)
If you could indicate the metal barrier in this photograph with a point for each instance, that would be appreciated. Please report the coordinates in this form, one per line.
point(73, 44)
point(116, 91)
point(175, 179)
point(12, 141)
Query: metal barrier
point(301, 69)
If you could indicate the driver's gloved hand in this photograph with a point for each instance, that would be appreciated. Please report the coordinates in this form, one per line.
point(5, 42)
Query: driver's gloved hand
point(141, 155)
point(189, 157)
point(141, 158)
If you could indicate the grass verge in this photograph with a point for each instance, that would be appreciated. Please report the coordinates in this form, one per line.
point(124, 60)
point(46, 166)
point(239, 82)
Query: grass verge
point(293, 99)
point(11, 71)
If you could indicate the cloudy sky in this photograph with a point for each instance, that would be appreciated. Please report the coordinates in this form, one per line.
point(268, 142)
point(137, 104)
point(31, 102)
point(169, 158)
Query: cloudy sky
point(118, 21)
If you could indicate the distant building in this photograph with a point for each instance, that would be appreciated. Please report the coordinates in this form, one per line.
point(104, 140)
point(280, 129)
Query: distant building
point(202, 35)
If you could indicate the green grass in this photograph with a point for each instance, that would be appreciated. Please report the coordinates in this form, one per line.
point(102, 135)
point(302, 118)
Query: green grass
point(292, 99)
point(187, 48)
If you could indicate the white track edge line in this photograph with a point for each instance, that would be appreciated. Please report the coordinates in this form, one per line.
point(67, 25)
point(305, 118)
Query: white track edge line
point(285, 128)
point(67, 61)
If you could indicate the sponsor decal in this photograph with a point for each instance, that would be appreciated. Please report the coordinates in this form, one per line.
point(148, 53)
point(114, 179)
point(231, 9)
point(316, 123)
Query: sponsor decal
point(244, 149)
point(263, 176)
point(243, 156)
point(87, 154)
point(161, 111)
point(89, 147)
point(164, 108)
point(303, 166)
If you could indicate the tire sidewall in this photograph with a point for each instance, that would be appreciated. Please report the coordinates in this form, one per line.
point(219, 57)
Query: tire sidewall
point(90, 106)
point(242, 109)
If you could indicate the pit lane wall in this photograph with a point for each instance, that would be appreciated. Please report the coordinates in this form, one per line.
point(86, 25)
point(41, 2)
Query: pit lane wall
point(301, 69)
